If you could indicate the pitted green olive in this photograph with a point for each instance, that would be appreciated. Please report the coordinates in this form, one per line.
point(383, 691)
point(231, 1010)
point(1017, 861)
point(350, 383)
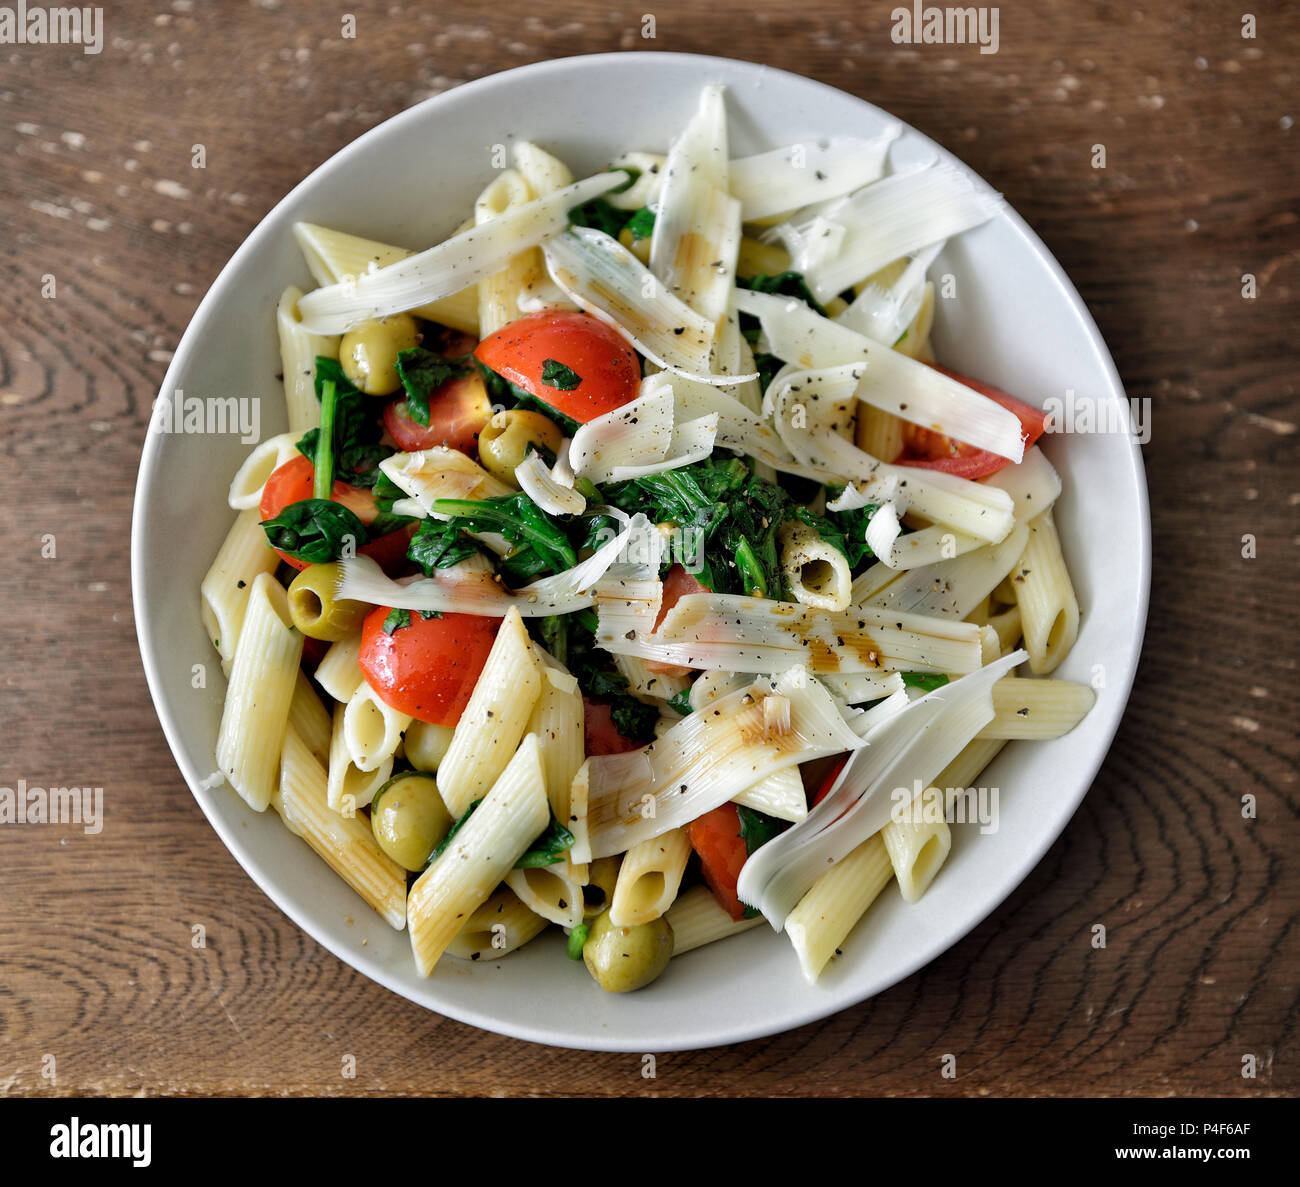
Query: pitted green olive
point(622, 959)
point(368, 353)
point(409, 819)
point(315, 608)
point(505, 440)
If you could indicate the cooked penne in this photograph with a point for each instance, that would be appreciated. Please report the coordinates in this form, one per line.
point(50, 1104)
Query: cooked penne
point(918, 842)
point(224, 592)
point(816, 572)
point(311, 719)
point(250, 479)
point(299, 350)
point(649, 877)
point(349, 788)
point(554, 893)
point(500, 926)
point(372, 730)
point(837, 900)
point(1049, 611)
point(485, 848)
point(346, 843)
point(1039, 709)
point(258, 696)
point(495, 718)
point(779, 794)
point(697, 919)
point(339, 673)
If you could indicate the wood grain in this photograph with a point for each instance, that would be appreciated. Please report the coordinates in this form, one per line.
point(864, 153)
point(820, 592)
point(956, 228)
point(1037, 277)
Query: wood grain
point(1201, 186)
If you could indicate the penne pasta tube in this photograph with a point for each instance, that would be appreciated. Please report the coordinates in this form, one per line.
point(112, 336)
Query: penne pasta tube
point(484, 850)
point(1007, 625)
point(346, 843)
point(339, 671)
point(372, 730)
point(497, 928)
point(223, 595)
point(332, 256)
point(817, 572)
point(649, 878)
point(780, 794)
point(557, 721)
point(697, 919)
point(1049, 610)
point(498, 294)
point(834, 903)
point(1039, 709)
point(878, 432)
point(495, 719)
point(262, 678)
point(311, 719)
point(299, 349)
point(250, 479)
point(554, 893)
point(643, 681)
point(918, 841)
point(348, 788)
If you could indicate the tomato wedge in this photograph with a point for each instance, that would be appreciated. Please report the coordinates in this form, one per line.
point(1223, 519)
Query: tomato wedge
point(292, 483)
point(458, 410)
point(677, 584)
point(429, 668)
point(600, 734)
point(603, 371)
point(715, 836)
point(928, 450)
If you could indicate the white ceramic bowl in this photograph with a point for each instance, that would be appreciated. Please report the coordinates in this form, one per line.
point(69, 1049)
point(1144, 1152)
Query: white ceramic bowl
point(1018, 323)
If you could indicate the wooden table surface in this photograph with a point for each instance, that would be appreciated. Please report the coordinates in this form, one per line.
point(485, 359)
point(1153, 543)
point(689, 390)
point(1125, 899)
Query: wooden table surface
point(1200, 188)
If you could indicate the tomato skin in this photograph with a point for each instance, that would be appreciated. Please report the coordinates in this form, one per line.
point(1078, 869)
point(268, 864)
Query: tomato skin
point(294, 481)
point(828, 780)
point(458, 410)
point(715, 836)
point(608, 367)
point(677, 584)
point(928, 450)
point(427, 669)
point(600, 734)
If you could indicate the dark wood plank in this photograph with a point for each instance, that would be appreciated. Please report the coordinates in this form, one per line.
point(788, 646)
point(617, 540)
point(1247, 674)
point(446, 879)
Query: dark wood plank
point(1200, 187)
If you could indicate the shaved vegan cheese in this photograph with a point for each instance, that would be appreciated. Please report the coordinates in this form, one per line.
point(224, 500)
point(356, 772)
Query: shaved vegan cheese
point(546, 489)
point(886, 220)
point(708, 758)
point(441, 473)
point(746, 634)
point(798, 175)
point(904, 752)
point(884, 313)
point(472, 588)
point(889, 380)
point(453, 265)
point(601, 276)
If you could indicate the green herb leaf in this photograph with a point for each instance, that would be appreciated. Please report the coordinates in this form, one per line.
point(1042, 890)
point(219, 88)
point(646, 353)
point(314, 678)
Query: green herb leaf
point(323, 476)
point(577, 938)
point(548, 849)
point(682, 702)
point(642, 223)
point(315, 531)
point(439, 545)
point(757, 828)
point(396, 620)
point(558, 376)
point(926, 681)
point(451, 833)
point(539, 543)
point(601, 215)
point(634, 719)
point(422, 372)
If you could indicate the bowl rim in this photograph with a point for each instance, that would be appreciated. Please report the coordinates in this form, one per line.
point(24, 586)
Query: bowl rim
point(815, 1007)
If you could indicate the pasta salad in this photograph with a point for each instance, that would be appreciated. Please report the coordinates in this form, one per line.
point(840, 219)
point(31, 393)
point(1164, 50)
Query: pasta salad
point(631, 566)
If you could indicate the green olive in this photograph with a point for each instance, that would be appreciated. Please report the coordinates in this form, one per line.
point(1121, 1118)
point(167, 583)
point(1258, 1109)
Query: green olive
point(409, 818)
point(425, 744)
point(625, 958)
point(602, 874)
point(368, 353)
point(505, 440)
point(315, 608)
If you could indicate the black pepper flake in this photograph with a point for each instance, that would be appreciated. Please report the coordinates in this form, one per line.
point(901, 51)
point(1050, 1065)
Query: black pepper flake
point(240, 584)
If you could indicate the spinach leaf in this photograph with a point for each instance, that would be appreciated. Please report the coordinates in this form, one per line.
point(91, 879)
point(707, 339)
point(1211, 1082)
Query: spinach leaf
point(395, 621)
point(539, 543)
point(439, 545)
point(555, 374)
point(601, 215)
point(634, 719)
point(757, 828)
point(852, 527)
point(549, 848)
point(785, 284)
point(926, 681)
point(315, 531)
point(422, 372)
point(353, 451)
point(504, 394)
point(642, 223)
point(577, 938)
point(682, 702)
point(451, 833)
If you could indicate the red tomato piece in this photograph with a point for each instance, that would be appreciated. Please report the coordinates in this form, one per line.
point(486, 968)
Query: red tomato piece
point(458, 410)
point(600, 734)
point(715, 836)
point(677, 584)
point(294, 481)
point(427, 669)
point(928, 450)
point(828, 780)
point(607, 367)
